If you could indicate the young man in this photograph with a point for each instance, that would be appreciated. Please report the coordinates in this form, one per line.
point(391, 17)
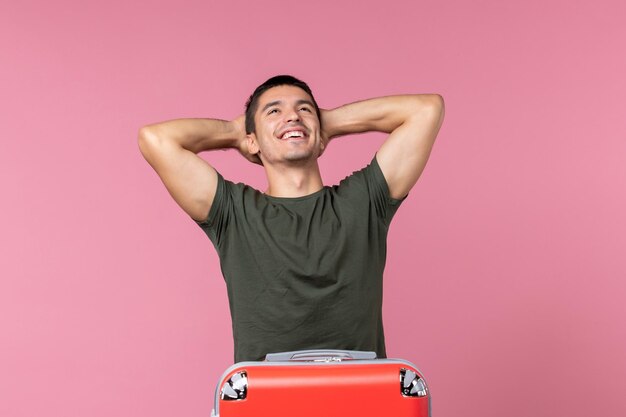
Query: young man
point(303, 263)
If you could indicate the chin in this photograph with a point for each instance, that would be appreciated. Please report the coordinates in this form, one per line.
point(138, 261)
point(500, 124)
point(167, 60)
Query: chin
point(299, 156)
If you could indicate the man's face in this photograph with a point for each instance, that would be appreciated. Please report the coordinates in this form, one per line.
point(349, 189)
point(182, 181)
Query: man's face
point(287, 127)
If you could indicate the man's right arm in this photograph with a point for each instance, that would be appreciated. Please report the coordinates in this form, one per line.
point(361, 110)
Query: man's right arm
point(171, 148)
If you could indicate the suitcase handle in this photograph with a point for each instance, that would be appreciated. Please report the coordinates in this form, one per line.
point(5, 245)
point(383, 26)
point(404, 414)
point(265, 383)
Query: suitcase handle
point(320, 355)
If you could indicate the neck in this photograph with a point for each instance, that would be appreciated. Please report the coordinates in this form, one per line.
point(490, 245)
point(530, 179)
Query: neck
point(293, 180)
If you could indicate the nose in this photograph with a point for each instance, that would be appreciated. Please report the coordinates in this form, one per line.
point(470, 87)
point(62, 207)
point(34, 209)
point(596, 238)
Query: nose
point(292, 115)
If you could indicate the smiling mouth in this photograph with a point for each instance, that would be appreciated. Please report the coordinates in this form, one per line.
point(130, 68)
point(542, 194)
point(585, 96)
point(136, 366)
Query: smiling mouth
point(293, 134)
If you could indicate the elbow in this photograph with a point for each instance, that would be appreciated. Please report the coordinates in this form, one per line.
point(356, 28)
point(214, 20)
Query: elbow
point(428, 106)
point(433, 103)
point(143, 139)
point(145, 134)
point(438, 111)
point(147, 141)
point(440, 107)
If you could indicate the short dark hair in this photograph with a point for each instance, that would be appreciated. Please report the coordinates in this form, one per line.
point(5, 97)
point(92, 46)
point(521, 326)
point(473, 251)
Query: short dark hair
point(253, 101)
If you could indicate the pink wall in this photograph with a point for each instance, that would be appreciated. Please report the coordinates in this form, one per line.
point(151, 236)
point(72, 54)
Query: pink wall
point(506, 269)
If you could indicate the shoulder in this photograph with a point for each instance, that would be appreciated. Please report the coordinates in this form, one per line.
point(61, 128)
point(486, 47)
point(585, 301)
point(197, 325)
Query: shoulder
point(230, 197)
point(368, 187)
point(238, 190)
point(363, 177)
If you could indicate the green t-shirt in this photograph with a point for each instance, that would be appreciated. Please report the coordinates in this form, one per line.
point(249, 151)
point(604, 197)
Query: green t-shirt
point(305, 272)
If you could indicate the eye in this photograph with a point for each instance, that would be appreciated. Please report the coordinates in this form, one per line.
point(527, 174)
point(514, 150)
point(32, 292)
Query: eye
point(272, 111)
point(306, 109)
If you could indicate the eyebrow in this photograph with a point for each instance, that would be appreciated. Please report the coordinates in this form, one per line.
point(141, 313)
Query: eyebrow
point(277, 102)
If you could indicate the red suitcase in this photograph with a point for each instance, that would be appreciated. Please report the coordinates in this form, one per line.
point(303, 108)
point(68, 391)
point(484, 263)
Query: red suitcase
point(322, 383)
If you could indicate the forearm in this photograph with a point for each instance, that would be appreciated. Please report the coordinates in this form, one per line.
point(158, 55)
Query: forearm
point(195, 135)
point(382, 114)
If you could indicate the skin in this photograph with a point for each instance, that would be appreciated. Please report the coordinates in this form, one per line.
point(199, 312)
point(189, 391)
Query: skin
point(171, 147)
point(290, 164)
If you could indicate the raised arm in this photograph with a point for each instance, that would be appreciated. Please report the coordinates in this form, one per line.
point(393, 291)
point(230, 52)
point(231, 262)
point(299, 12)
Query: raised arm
point(171, 148)
point(413, 122)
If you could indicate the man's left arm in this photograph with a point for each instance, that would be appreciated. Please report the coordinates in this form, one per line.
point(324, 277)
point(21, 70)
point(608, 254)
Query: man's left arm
point(412, 121)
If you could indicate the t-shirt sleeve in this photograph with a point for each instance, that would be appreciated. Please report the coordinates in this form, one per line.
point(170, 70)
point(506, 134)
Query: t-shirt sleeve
point(368, 187)
point(385, 205)
point(217, 219)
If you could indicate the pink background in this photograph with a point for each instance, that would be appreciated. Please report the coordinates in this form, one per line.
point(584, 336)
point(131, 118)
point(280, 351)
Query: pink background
point(506, 271)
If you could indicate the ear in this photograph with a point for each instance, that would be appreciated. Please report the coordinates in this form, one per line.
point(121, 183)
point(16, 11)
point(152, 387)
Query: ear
point(323, 143)
point(253, 144)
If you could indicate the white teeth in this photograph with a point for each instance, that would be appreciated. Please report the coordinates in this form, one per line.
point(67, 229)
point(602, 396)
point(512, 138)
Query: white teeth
point(293, 134)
